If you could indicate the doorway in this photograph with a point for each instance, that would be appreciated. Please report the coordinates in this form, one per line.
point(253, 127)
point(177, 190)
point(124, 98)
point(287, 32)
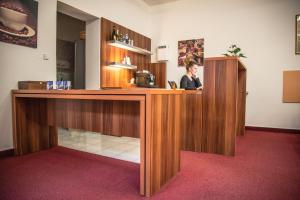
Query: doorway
point(70, 50)
point(71, 45)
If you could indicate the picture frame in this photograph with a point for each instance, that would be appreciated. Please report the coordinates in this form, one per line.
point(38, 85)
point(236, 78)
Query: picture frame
point(191, 49)
point(18, 22)
point(297, 35)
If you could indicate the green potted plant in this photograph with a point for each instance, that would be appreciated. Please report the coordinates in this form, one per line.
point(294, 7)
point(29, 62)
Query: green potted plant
point(234, 50)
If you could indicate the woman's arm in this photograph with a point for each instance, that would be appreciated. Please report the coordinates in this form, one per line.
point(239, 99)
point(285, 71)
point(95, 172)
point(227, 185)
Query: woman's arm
point(198, 83)
point(184, 82)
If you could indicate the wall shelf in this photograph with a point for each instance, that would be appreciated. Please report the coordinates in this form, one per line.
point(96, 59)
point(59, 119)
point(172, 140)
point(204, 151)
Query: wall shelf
point(123, 45)
point(121, 65)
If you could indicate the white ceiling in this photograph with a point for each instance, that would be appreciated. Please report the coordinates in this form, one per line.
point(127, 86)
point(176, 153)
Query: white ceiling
point(157, 2)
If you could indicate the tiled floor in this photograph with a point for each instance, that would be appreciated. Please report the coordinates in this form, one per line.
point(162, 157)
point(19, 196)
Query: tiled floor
point(123, 148)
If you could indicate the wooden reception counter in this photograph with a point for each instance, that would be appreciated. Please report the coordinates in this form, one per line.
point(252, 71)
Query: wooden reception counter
point(151, 114)
point(166, 121)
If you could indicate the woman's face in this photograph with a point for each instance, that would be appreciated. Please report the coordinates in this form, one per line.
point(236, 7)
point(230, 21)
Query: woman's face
point(193, 69)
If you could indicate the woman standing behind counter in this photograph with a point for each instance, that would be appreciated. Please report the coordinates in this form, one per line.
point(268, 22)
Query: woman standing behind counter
point(190, 81)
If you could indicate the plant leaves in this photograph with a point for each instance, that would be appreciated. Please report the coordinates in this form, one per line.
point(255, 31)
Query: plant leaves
point(236, 50)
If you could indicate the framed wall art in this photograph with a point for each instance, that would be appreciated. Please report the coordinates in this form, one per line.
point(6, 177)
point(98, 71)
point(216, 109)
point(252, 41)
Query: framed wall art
point(18, 22)
point(191, 49)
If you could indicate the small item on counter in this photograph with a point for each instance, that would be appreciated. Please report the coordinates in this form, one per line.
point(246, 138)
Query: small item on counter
point(131, 42)
point(49, 85)
point(67, 85)
point(132, 81)
point(60, 85)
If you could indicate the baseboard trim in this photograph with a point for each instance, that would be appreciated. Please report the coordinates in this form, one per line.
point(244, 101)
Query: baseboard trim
point(6, 153)
point(269, 129)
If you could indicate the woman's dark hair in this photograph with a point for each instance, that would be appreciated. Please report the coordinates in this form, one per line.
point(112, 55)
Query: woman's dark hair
point(190, 64)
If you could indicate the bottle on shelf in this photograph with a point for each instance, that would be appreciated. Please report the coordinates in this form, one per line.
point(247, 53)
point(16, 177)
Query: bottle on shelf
point(114, 34)
point(117, 35)
point(131, 42)
point(126, 39)
point(126, 60)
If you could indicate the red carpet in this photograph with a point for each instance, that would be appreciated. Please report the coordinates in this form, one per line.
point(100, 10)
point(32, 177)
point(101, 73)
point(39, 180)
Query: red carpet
point(266, 166)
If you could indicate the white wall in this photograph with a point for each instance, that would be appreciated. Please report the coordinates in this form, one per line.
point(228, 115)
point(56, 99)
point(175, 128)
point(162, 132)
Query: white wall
point(265, 30)
point(23, 63)
point(92, 70)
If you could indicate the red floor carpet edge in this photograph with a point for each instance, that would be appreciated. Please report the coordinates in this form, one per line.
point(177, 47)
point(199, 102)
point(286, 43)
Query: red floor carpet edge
point(266, 166)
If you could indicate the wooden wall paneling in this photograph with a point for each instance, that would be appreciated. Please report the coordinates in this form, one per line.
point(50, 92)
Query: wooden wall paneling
point(130, 119)
point(163, 140)
point(159, 71)
point(118, 77)
point(117, 118)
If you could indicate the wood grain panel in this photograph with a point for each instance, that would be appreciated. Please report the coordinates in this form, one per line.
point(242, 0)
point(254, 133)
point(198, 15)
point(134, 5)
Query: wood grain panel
point(241, 107)
point(112, 77)
point(159, 71)
point(37, 120)
point(192, 137)
point(117, 118)
point(224, 97)
point(163, 144)
point(32, 133)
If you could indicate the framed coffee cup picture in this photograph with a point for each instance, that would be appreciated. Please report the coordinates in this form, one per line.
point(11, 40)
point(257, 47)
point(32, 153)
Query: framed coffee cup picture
point(297, 34)
point(18, 22)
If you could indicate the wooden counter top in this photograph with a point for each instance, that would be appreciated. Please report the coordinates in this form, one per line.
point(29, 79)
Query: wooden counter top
point(241, 66)
point(135, 91)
